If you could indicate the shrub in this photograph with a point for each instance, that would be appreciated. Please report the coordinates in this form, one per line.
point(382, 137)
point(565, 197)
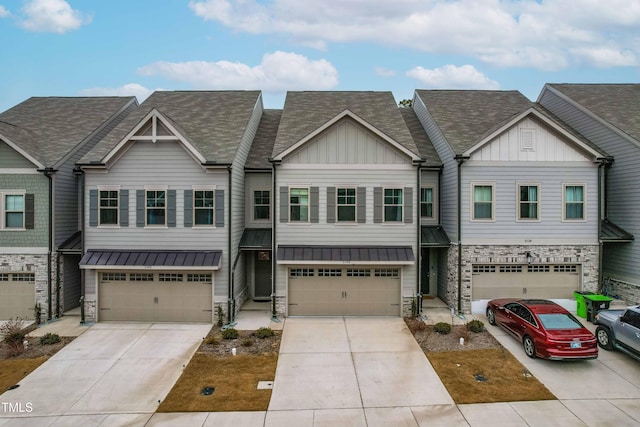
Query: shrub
point(247, 342)
point(13, 335)
point(264, 333)
point(37, 313)
point(442, 328)
point(212, 340)
point(475, 326)
point(230, 334)
point(49, 339)
point(220, 317)
point(415, 325)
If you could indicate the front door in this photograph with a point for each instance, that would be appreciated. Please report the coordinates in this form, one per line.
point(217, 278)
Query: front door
point(262, 276)
point(425, 272)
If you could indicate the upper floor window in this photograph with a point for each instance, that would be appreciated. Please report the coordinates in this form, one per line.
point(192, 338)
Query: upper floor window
point(426, 202)
point(14, 209)
point(573, 202)
point(261, 205)
point(528, 202)
point(482, 202)
point(346, 204)
point(299, 204)
point(156, 207)
point(203, 207)
point(393, 205)
point(108, 207)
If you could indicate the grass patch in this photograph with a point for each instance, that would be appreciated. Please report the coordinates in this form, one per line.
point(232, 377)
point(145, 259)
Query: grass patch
point(235, 380)
point(505, 377)
point(12, 371)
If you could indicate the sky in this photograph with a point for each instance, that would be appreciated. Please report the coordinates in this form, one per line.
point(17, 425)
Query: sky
point(118, 47)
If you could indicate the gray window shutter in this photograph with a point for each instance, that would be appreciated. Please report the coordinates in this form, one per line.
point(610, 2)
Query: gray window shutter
point(314, 201)
point(361, 201)
point(93, 208)
point(171, 208)
point(188, 208)
point(331, 205)
point(124, 208)
point(377, 205)
point(284, 204)
point(408, 205)
point(219, 208)
point(29, 211)
point(140, 208)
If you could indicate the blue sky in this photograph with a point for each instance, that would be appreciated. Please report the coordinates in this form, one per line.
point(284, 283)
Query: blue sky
point(115, 47)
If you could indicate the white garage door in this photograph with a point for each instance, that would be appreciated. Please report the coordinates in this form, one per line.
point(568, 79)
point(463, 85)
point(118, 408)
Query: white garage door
point(17, 295)
point(155, 297)
point(337, 291)
point(525, 281)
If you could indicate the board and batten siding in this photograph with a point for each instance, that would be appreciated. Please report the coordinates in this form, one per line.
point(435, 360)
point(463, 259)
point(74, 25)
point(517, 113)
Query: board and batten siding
point(623, 199)
point(164, 163)
point(448, 185)
point(256, 181)
point(550, 229)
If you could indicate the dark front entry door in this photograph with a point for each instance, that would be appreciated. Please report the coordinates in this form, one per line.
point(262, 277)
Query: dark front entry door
point(262, 275)
point(425, 272)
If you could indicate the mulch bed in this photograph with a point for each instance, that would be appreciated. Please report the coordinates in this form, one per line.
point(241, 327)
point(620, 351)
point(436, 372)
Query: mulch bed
point(431, 341)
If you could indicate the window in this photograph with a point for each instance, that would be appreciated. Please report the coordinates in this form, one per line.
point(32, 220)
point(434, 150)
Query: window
point(301, 272)
point(387, 272)
point(484, 269)
point(358, 272)
point(393, 205)
point(510, 269)
point(169, 277)
point(203, 212)
point(13, 211)
point(108, 207)
point(346, 203)
point(329, 272)
point(24, 277)
point(114, 277)
point(574, 202)
point(565, 268)
point(201, 277)
point(261, 205)
point(141, 277)
point(538, 268)
point(482, 202)
point(156, 207)
point(299, 204)
point(528, 202)
point(426, 202)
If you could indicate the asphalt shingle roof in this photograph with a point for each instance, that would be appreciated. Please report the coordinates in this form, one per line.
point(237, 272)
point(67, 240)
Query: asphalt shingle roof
point(264, 140)
point(618, 104)
point(212, 121)
point(420, 138)
point(305, 112)
point(49, 128)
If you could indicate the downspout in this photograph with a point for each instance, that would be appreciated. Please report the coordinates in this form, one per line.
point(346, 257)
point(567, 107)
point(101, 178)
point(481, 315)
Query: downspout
point(604, 164)
point(58, 285)
point(419, 240)
point(460, 159)
point(274, 314)
point(231, 298)
point(79, 173)
point(48, 172)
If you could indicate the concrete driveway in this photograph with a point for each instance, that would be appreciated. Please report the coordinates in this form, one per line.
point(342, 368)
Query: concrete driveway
point(113, 374)
point(356, 372)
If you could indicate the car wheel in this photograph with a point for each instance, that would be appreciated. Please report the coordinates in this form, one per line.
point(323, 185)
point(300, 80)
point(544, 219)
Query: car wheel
point(491, 316)
point(529, 347)
point(604, 338)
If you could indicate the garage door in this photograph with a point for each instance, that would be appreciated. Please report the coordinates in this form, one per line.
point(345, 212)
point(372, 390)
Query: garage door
point(344, 291)
point(525, 281)
point(17, 295)
point(155, 297)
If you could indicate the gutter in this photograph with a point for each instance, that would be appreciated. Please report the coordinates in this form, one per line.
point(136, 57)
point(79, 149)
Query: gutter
point(460, 159)
point(48, 172)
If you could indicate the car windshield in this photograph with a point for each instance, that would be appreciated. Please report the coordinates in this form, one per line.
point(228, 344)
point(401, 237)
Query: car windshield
point(559, 321)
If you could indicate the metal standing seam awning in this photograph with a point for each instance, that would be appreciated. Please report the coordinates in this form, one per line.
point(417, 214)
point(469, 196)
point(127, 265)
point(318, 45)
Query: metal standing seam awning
point(611, 233)
point(154, 260)
point(434, 236)
point(256, 238)
point(370, 255)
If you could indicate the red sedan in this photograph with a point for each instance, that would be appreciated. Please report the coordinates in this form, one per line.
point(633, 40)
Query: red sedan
point(544, 328)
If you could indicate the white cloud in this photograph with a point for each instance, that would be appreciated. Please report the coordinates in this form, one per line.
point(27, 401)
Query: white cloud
point(52, 16)
point(384, 72)
point(3, 12)
point(278, 72)
point(130, 89)
point(545, 34)
point(452, 77)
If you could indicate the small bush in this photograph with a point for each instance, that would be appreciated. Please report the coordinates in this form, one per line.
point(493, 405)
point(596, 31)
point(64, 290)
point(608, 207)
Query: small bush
point(13, 335)
point(264, 333)
point(230, 334)
point(49, 339)
point(442, 328)
point(247, 342)
point(415, 325)
point(220, 317)
point(212, 340)
point(475, 326)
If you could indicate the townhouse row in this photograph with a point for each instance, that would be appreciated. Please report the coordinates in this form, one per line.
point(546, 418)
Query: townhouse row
point(184, 207)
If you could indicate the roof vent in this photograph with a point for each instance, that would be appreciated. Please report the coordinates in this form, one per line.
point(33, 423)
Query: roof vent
point(527, 140)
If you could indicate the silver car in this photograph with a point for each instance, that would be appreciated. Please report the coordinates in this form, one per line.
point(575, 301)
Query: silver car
point(619, 330)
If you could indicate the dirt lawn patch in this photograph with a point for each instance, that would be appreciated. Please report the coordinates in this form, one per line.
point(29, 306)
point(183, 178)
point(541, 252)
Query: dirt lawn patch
point(481, 370)
point(234, 379)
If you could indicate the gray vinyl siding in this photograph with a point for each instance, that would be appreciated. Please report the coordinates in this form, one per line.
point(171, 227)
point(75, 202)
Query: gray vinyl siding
point(9, 158)
point(449, 190)
point(551, 227)
point(159, 164)
point(38, 185)
point(623, 198)
point(256, 181)
point(430, 179)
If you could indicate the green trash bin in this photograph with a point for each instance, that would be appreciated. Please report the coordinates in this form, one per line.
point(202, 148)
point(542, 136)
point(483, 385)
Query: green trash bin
point(581, 306)
point(595, 303)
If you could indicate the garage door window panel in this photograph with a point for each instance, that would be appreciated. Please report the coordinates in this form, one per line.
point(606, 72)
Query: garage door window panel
point(301, 272)
point(329, 272)
point(528, 202)
point(114, 277)
point(358, 272)
point(141, 277)
point(483, 202)
point(170, 277)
